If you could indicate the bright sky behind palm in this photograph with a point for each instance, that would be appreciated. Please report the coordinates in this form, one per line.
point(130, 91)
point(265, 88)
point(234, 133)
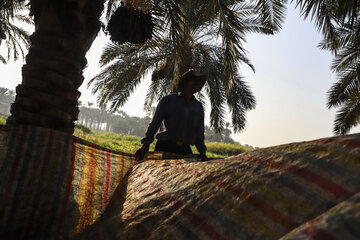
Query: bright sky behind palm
point(290, 85)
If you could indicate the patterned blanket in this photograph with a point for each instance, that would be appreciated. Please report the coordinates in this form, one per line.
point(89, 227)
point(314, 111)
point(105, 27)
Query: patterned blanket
point(56, 186)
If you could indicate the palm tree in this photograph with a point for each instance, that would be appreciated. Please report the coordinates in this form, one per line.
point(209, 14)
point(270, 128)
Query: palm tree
point(64, 31)
point(339, 22)
point(15, 38)
point(210, 39)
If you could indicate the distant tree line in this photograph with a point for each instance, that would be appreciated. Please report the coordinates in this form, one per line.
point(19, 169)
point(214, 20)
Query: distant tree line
point(211, 135)
point(6, 95)
point(120, 122)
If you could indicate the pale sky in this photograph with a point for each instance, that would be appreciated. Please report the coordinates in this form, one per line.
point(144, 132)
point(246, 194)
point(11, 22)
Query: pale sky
point(290, 85)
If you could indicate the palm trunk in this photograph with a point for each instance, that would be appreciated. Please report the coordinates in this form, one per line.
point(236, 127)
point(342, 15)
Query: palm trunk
point(48, 94)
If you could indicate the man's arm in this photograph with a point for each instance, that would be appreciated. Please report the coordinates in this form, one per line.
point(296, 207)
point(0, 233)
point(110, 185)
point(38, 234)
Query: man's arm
point(154, 125)
point(150, 133)
point(200, 138)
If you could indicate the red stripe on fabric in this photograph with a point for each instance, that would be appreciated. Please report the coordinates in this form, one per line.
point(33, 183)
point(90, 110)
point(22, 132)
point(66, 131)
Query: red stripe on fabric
point(268, 210)
point(15, 166)
point(201, 224)
point(322, 182)
point(196, 220)
point(317, 233)
point(91, 189)
point(107, 181)
point(67, 191)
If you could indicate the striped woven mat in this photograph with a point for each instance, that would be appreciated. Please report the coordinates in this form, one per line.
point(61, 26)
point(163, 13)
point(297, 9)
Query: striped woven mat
point(56, 186)
point(340, 222)
point(53, 185)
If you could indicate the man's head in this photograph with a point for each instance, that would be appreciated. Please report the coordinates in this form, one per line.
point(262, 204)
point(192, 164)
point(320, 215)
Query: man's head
point(192, 80)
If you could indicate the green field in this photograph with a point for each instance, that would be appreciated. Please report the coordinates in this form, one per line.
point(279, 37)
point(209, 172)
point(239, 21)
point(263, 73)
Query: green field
point(2, 120)
point(127, 143)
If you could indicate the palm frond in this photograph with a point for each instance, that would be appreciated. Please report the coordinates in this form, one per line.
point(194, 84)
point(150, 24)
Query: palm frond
point(348, 57)
point(2, 59)
point(323, 15)
point(172, 12)
point(116, 91)
point(200, 96)
point(346, 64)
point(151, 95)
point(16, 39)
point(232, 26)
point(340, 38)
point(217, 100)
point(330, 17)
point(112, 51)
point(240, 99)
point(271, 13)
point(121, 76)
point(110, 8)
point(25, 19)
point(345, 88)
point(10, 8)
point(348, 116)
point(157, 90)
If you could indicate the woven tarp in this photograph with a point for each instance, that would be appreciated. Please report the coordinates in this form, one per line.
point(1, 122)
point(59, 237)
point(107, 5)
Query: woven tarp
point(340, 222)
point(52, 184)
point(55, 186)
point(262, 194)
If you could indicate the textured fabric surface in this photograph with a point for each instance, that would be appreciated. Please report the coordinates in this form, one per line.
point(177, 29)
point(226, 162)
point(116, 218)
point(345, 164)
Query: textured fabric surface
point(53, 185)
point(56, 186)
point(262, 194)
point(340, 222)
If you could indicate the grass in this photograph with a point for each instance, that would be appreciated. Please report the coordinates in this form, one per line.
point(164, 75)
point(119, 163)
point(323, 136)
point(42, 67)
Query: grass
point(2, 120)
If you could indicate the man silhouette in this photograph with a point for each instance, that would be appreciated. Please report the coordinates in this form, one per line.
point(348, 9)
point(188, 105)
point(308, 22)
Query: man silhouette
point(182, 119)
